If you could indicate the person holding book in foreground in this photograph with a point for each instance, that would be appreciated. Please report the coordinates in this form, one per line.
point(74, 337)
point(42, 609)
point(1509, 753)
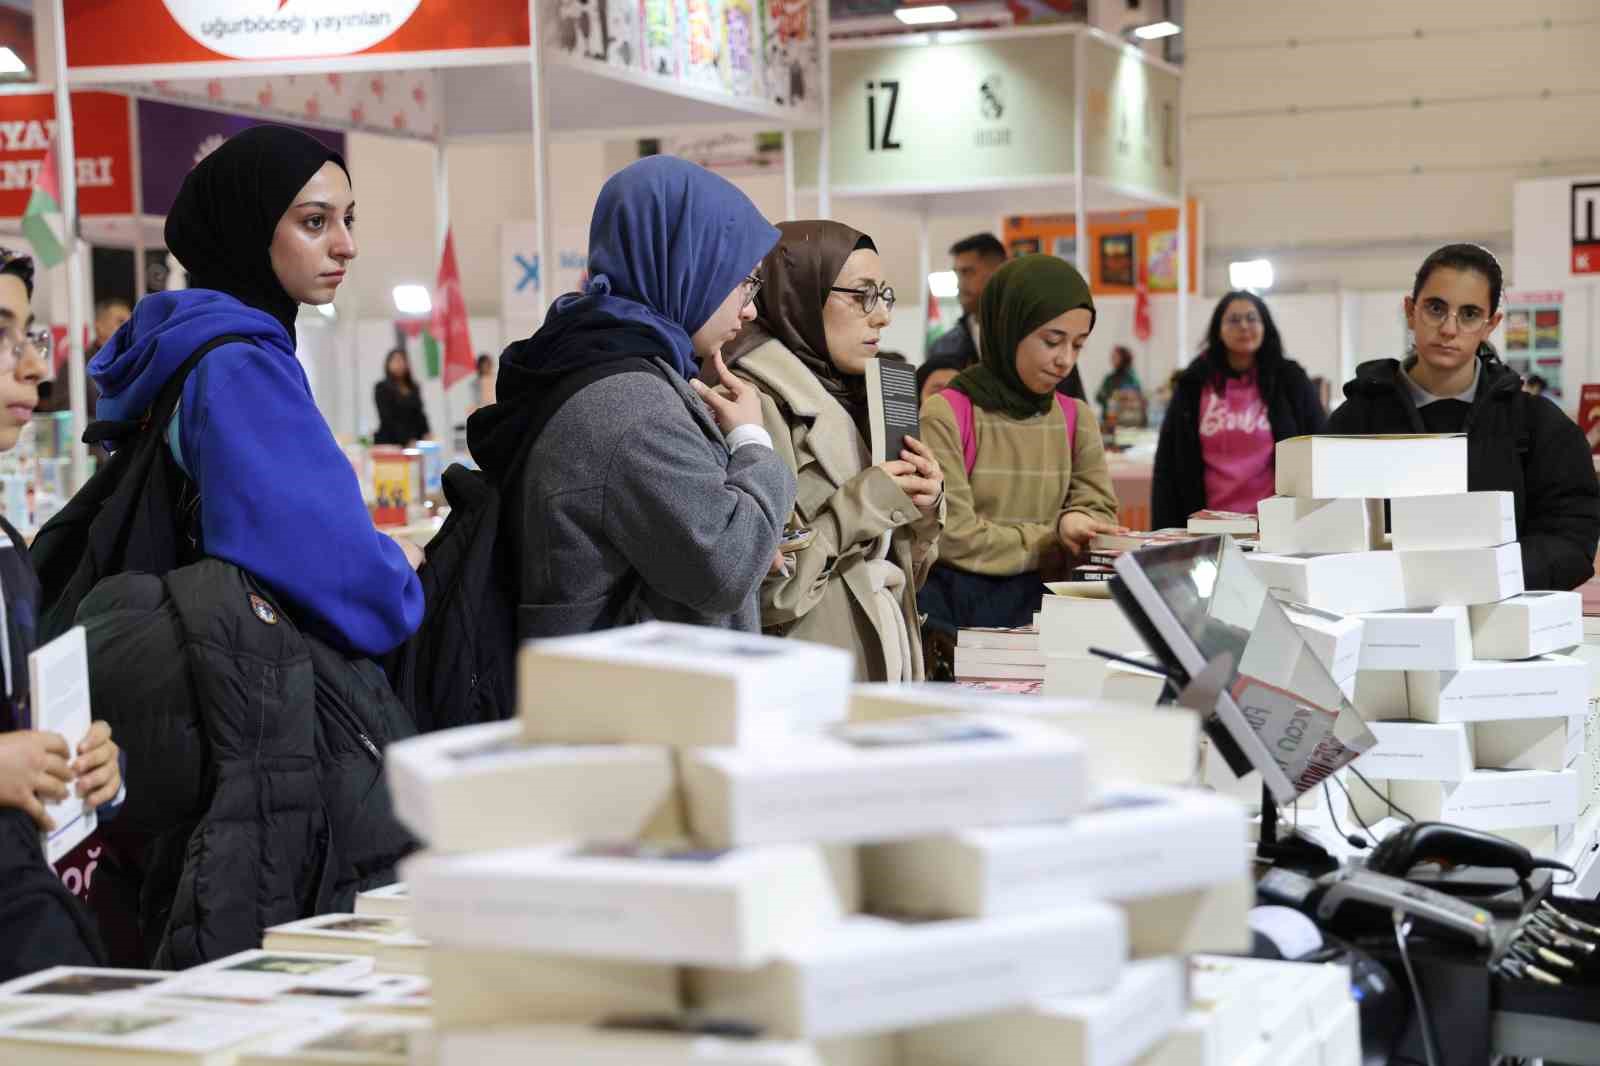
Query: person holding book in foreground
point(1025, 469)
point(1454, 382)
point(873, 529)
point(646, 493)
point(41, 924)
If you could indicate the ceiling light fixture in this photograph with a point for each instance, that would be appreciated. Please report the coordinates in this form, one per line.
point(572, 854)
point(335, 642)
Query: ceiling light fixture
point(925, 14)
point(412, 300)
point(11, 63)
point(1154, 31)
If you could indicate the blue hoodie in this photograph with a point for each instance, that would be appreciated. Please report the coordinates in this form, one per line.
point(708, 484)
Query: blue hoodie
point(278, 498)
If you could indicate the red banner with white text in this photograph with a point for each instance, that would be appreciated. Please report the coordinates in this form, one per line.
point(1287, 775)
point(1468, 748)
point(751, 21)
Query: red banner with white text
point(101, 138)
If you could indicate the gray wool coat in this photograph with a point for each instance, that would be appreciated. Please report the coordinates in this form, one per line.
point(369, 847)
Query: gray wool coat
point(633, 509)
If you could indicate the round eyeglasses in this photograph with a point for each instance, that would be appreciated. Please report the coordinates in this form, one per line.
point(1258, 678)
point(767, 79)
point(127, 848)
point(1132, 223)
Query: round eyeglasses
point(1470, 318)
point(868, 297)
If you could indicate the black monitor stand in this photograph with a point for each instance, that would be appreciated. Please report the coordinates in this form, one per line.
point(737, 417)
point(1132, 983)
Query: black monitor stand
point(1291, 850)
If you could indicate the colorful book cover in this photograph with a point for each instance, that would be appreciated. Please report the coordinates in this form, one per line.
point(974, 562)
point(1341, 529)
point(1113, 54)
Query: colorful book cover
point(702, 65)
point(661, 37)
point(740, 47)
point(624, 43)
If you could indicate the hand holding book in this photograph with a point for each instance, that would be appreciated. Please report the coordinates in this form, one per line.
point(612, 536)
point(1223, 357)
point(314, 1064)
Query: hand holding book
point(98, 769)
point(1075, 529)
point(34, 770)
point(923, 480)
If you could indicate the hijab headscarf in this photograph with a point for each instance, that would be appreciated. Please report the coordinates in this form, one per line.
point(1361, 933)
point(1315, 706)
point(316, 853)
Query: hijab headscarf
point(668, 242)
point(221, 225)
point(796, 278)
point(1021, 296)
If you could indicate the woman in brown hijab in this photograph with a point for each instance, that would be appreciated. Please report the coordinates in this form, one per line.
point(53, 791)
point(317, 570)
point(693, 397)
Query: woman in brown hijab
point(862, 537)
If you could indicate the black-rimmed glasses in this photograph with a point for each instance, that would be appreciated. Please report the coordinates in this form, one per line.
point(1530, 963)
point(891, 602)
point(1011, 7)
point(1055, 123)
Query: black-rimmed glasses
point(751, 286)
point(868, 297)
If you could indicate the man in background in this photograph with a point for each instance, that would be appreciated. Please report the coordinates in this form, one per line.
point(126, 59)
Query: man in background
point(109, 315)
point(974, 260)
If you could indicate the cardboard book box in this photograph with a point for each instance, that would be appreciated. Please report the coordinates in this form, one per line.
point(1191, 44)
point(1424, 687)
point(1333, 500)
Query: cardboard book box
point(871, 975)
point(1492, 799)
point(651, 1040)
point(1459, 520)
point(1371, 467)
point(485, 787)
point(1551, 686)
point(1133, 844)
point(486, 986)
point(1534, 623)
point(1437, 639)
point(635, 902)
point(886, 780)
point(680, 686)
point(1111, 1028)
point(1298, 526)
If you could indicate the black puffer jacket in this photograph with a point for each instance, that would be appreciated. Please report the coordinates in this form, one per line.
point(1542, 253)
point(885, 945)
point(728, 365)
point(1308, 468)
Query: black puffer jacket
point(261, 775)
point(1515, 443)
point(1178, 483)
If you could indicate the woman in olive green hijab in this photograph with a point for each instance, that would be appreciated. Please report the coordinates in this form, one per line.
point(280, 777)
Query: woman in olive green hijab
point(1024, 496)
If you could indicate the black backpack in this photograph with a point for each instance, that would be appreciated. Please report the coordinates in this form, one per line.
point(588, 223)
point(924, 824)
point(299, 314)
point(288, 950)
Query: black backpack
point(459, 667)
point(138, 512)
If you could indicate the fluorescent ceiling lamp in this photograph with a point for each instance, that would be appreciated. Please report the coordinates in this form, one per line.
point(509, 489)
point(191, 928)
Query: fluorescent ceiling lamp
point(11, 63)
point(925, 14)
point(1252, 274)
point(1157, 30)
point(943, 285)
point(412, 300)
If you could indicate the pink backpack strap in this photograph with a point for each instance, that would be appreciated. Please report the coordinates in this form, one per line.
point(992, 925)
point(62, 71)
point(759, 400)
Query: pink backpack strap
point(961, 405)
point(1069, 410)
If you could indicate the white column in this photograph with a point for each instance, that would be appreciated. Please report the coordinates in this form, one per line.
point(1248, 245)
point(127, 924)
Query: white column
point(824, 139)
point(441, 208)
point(789, 207)
point(924, 267)
point(1080, 112)
point(544, 227)
point(67, 171)
point(136, 164)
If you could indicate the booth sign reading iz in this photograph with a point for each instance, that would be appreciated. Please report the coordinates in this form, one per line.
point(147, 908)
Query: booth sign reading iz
point(1586, 228)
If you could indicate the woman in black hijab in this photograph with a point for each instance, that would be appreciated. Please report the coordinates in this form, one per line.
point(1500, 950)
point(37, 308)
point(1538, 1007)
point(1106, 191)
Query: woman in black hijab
point(262, 225)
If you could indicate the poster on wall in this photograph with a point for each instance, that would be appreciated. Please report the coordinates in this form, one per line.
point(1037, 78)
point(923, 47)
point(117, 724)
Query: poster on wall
point(1589, 416)
point(702, 44)
point(624, 33)
point(1535, 338)
point(740, 50)
point(173, 138)
point(1118, 265)
point(110, 41)
point(790, 59)
point(1154, 237)
point(102, 142)
point(661, 37)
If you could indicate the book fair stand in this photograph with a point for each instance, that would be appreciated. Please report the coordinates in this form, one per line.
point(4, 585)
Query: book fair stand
point(154, 85)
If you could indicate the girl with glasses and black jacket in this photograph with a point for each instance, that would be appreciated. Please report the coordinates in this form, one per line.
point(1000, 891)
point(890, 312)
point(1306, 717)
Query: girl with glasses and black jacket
point(1453, 382)
point(1231, 406)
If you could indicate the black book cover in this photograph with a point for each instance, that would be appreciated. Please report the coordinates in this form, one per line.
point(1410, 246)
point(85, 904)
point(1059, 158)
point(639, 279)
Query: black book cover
point(892, 406)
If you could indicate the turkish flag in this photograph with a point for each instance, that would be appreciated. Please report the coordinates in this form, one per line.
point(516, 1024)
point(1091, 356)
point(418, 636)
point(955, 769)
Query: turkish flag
point(450, 317)
point(1141, 305)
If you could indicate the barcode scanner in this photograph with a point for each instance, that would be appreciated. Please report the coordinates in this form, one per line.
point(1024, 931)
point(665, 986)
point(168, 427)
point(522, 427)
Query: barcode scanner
point(1449, 846)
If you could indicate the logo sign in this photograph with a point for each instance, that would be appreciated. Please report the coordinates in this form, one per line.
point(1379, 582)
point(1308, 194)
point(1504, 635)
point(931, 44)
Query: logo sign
point(279, 29)
point(1586, 228)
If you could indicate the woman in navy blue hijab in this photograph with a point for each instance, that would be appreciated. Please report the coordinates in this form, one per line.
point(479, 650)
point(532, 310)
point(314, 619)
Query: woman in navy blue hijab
point(636, 492)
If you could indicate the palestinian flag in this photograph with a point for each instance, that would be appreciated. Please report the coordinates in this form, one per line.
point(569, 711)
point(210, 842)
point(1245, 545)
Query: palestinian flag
point(45, 201)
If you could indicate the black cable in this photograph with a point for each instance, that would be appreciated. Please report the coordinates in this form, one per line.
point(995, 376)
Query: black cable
point(1327, 797)
point(1354, 813)
point(1430, 1044)
point(1393, 807)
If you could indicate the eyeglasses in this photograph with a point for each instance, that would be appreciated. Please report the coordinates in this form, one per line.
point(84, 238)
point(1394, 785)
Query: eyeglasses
point(1470, 318)
point(16, 345)
point(1244, 321)
point(751, 286)
point(868, 297)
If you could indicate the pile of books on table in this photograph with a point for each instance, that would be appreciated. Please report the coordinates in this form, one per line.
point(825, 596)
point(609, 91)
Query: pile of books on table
point(700, 846)
point(1466, 679)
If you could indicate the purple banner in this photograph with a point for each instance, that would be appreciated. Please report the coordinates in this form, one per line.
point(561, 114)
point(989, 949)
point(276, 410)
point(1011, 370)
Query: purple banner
point(173, 138)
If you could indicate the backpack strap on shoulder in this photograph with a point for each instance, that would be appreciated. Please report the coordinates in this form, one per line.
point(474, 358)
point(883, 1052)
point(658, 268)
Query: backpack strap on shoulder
point(1069, 411)
point(961, 404)
point(166, 402)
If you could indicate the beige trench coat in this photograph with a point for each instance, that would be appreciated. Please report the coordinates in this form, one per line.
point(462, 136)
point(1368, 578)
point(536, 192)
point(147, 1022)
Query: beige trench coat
point(843, 589)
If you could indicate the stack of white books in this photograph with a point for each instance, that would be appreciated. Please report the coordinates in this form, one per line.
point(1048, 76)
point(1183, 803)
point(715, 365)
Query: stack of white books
point(780, 867)
point(1077, 616)
point(1465, 678)
point(990, 654)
